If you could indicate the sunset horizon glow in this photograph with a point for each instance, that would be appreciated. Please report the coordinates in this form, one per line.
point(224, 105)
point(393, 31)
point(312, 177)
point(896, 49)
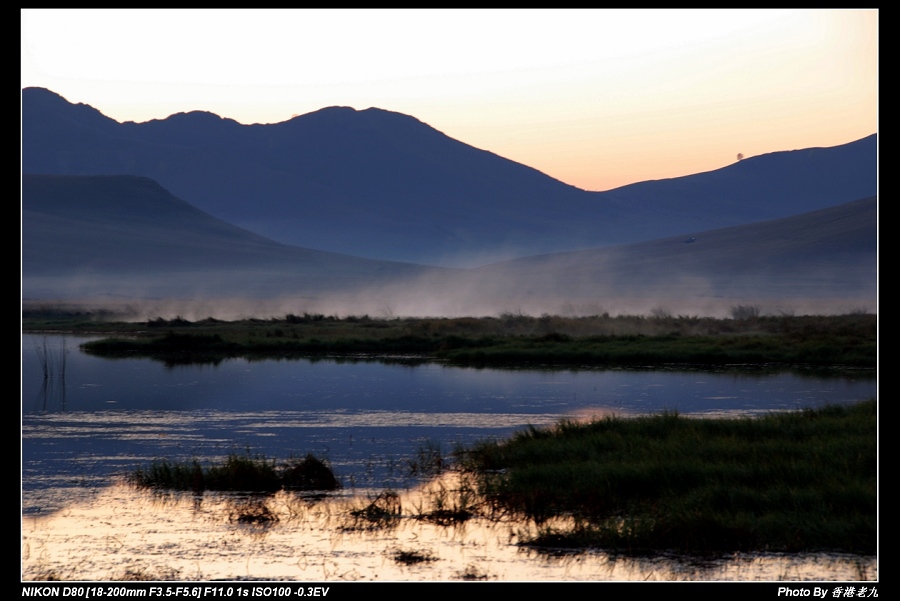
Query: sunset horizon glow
point(595, 98)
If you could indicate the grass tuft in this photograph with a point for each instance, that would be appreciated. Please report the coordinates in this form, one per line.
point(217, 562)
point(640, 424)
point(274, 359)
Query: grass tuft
point(238, 473)
point(382, 512)
point(309, 474)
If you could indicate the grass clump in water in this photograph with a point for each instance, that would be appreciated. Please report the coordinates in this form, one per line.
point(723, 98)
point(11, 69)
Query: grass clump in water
point(309, 474)
point(238, 473)
point(801, 481)
point(253, 511)
point(449, 503)
point(382, 512)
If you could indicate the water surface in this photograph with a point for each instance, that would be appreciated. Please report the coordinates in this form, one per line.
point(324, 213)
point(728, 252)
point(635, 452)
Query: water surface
point(93, 420)
point(368, 418)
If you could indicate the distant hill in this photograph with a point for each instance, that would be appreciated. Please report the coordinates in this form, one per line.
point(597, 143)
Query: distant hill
point(126, 235)
point(824, 256)
point(384, 185)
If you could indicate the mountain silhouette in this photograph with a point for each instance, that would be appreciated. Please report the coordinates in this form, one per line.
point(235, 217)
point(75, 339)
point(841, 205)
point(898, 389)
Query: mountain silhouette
point(379, 184)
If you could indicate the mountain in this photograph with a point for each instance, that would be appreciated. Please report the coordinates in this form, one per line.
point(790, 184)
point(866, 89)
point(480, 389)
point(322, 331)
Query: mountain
point(379, 184)
point(90, 237)
point(824, 257)
point(127, 236)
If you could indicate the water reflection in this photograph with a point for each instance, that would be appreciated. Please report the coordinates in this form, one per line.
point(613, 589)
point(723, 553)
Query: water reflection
point(86, 430)
point(126, 533)
point(367, 418)
point(97, 384)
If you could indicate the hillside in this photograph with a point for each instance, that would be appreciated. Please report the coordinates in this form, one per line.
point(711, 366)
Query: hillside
point(125, 235)
point(829, 255)
point(384, 185)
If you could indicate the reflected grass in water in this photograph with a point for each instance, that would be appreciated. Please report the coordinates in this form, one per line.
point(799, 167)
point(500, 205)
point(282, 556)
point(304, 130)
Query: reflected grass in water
point(412, 557)
point(383, 512)
point(450, 501)
point(124, 532)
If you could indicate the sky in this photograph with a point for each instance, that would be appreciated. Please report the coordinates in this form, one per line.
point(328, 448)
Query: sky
point(595, 98)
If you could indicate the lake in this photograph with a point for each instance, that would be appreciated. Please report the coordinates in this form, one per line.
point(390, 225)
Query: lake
point(93, 420)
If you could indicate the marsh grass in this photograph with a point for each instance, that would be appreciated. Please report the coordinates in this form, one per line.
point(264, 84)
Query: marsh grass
point(238, 473)
point(253, 511)
point(803, 481)
point(429, 460)
point(382, 512)
point(449, 501)
point(309, 474)
point(512, 339)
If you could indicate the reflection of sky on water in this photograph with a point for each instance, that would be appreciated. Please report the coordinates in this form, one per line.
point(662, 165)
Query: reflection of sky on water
point(95, 384)
point(196, 538)
point(368, 418)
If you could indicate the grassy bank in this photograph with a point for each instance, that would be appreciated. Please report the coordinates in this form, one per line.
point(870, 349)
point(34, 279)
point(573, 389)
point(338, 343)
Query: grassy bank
point(504, 340)
point(789, 482)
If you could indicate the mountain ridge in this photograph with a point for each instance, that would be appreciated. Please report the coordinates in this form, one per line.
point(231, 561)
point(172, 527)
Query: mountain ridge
point(380, 184)
point(95, 235)
point(126, 236)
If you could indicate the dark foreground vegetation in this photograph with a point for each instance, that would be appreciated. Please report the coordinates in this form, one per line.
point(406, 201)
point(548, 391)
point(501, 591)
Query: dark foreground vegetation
point(238, 473)
point(505, 340)
point(804, 481)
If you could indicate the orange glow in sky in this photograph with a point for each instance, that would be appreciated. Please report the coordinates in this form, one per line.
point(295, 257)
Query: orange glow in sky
point(595, 98)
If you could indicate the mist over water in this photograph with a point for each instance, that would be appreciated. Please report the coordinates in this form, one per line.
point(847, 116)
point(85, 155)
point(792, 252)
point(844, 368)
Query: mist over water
point(384, 304)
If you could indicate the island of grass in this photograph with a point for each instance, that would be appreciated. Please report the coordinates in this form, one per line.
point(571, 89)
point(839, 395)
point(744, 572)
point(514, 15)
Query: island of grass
point(238, 473)
point(507, 340)
point(786, 482)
